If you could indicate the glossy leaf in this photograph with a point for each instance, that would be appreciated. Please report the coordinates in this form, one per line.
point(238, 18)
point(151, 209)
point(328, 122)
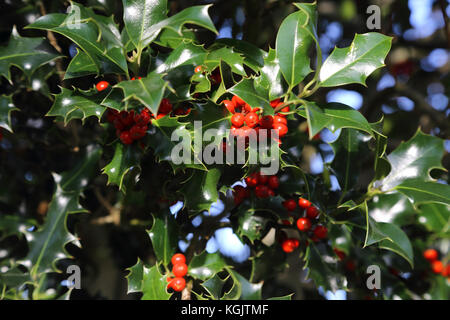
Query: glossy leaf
point(214, 286)
point(292, 46)
point(393, 208)
point(206, 265)
point(271, 78)
point(125, 157)
point(233, 59)
point(200, 190)
point(414, 158)
point(14, 225)
point(78, 104)
point(6, 107)
point(249, 291)
point(420, 191)
point(333, 116)
point(253, 56)
point(28, 54)
point(149, 90)
point(135, 277)
point(186, 53)
point(163, 235)
point(246, 91)
point(356, 62)
point(436, 217)
point(81, 65)
point(154, 284)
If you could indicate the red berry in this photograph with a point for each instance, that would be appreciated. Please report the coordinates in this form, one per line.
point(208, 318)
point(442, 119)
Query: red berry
point(126, 138)
point(278, 119)
point(178, 284)
point(261, 191)
point(198, 69)
point(102, 85)
point(273, 182)
point(286, 222)
point(252, 180)
point(350, 265)
point(237, 120)
point(165, 106)
point(274, 103)
point(251, 119)
point(180, 269)
point(303, 203)
point(430, 254)
point(230, 105)
point(266, 122)
point(341, 254)
point(263, 179)
point(289, 245)
point(320, 232)
point(271, 193)
point(238, 101)
point(178, 258)
point(169, 279)
point(446, 271)
point(281, 128)
point(290, 204)
point(285, 109)
point(437, 266)
point(303, 224)
point(312, 212)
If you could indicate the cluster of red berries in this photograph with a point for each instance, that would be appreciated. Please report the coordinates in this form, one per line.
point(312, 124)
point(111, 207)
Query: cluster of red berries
point(262, 185)
point(245, 117)
point(436, 265)
point(130, 125)
point(179, 270)
point(304, 223)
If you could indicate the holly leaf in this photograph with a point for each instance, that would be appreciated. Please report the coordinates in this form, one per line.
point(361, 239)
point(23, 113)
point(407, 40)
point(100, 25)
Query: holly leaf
point(135, 277)
point(420, 191)
point(356, 62)
point(28, 54)
point(80, 66)
point(271, 78)
point(248, 291)
point(154, 284)
point(149, 90)
point(6, 107)
point(253, 56)
point(96, 35)
point(292, 44)
point(206, 265)
point(197, 15)
point(171, 39)
point(125, 157)
point(14, 278)
point(14, 225)
point(164, 237)
point(245, 90)
point(200, 190)
point(436, 217)
point(322, 273)
point(186, 53)
point(393, 208)
point(139, 16)
point(214, 286)
point(413, 159)
point(231, 58)
point(333, 116)
point(251, 226)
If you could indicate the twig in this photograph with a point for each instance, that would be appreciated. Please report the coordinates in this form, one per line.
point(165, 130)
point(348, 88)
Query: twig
point(114, 213)
point(186, 293)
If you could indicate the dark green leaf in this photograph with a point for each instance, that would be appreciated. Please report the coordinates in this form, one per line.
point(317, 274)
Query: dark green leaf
point(420, 191)
point(200, 190)
point(214, 286)
point(135, 277)
point(271, 78)
point(246, 91)
point(164, 237)
point(6, 107)
point(206, 265)
point(154, 284)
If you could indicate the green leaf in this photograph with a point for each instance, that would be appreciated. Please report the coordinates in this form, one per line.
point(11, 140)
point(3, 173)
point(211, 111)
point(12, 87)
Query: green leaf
point(251, 226)
point(80, 66)
point(253, 56)
point(172, 39)
point(78, 104)
point(135, 277)
point(154, 284)
point(436, 217)
point(96, 35)
point(14, 225)
point(139, 16)
point(200, 190)
point(356, 62)
point(6, 107)
point(420, 191)
point(149, 90)
point(186, 53)
point(333, 116)
point(197, 15)
point(271, 78)
point(125, 157)
point(322, 273)
point(233, 59)
point(206, 265)
point(414, 159)
point(47, 244)
point(249, 291)
point(348, 150)
point(393, 208)
point(28, 54)
point(246, 91)
point(14, 278)
point(164, 237)
point(214, 286)
point(292, 45)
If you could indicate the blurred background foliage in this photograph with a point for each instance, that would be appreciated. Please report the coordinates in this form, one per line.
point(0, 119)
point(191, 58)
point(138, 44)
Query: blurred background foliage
point(413, 90)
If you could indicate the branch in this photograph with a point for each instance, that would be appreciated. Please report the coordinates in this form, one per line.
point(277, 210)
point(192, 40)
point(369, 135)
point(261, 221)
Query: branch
point(444, 13)
point(186, 293)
